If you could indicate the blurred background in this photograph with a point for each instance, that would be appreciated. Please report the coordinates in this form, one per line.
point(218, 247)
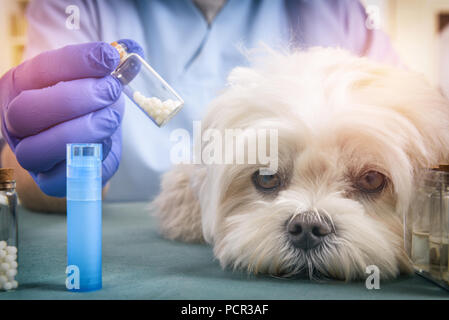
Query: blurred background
point(419, 30)
point(12, 32)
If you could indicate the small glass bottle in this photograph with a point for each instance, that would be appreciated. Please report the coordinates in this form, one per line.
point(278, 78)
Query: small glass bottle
point(145, 87)
point(9, 241)
point(420, 222)
point(429, 213)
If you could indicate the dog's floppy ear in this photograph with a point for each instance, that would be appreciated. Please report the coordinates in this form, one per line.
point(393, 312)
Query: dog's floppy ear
point(177, 206)
point(424, 109)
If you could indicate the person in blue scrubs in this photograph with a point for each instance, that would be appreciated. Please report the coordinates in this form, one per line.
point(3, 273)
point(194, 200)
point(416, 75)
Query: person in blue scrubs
point(193, 44)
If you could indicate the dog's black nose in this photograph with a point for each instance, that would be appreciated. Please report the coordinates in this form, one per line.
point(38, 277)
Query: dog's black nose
point(306, 232)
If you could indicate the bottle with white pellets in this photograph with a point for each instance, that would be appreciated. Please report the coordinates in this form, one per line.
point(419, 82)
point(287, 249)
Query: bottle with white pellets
point(145, 87)
point(8, 230)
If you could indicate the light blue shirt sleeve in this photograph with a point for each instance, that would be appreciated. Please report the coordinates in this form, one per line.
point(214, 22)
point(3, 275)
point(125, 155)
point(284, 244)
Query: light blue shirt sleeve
point(47, 25)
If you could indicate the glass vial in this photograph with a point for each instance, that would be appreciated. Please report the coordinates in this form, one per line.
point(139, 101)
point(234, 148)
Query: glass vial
point(429, 213)
point(420, 221)
point(9, 239)
point(145, 87)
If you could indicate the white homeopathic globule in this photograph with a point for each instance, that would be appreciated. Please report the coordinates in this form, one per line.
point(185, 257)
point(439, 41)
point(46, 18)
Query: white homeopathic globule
point(8, 266)
point(157, 109)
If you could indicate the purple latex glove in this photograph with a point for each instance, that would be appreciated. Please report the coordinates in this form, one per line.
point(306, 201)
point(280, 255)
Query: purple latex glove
point(63, 96)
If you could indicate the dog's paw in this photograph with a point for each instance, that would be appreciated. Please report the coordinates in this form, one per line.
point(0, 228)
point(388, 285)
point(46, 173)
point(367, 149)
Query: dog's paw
point(177, 206)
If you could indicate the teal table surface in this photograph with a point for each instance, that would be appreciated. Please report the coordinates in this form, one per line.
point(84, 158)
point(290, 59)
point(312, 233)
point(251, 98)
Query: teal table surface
point(139, 264)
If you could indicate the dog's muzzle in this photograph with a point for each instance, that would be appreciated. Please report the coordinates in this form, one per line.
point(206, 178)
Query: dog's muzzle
point(307, 231)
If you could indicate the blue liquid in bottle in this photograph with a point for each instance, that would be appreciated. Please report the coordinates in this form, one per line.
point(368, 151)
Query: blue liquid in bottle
point(84, 214)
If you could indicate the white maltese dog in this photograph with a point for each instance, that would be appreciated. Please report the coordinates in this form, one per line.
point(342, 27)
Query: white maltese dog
point(352, 136)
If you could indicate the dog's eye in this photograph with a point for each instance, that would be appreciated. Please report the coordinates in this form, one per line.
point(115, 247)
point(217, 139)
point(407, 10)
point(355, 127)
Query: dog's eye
point(371, 182)
point(266, 182)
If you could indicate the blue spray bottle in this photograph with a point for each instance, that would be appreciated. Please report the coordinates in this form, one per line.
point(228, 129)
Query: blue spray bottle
point(84, 215)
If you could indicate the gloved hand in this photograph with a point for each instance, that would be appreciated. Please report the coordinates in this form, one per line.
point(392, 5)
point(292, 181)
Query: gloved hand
point(63, 96)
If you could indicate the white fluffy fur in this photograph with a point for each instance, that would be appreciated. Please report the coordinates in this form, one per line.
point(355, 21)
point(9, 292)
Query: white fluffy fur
point(338, 116)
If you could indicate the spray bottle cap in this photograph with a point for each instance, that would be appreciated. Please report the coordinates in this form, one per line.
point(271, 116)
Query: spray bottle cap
point(84, 169)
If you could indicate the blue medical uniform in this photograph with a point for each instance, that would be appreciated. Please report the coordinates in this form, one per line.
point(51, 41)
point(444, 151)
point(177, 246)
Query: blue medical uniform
point(194, 57)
